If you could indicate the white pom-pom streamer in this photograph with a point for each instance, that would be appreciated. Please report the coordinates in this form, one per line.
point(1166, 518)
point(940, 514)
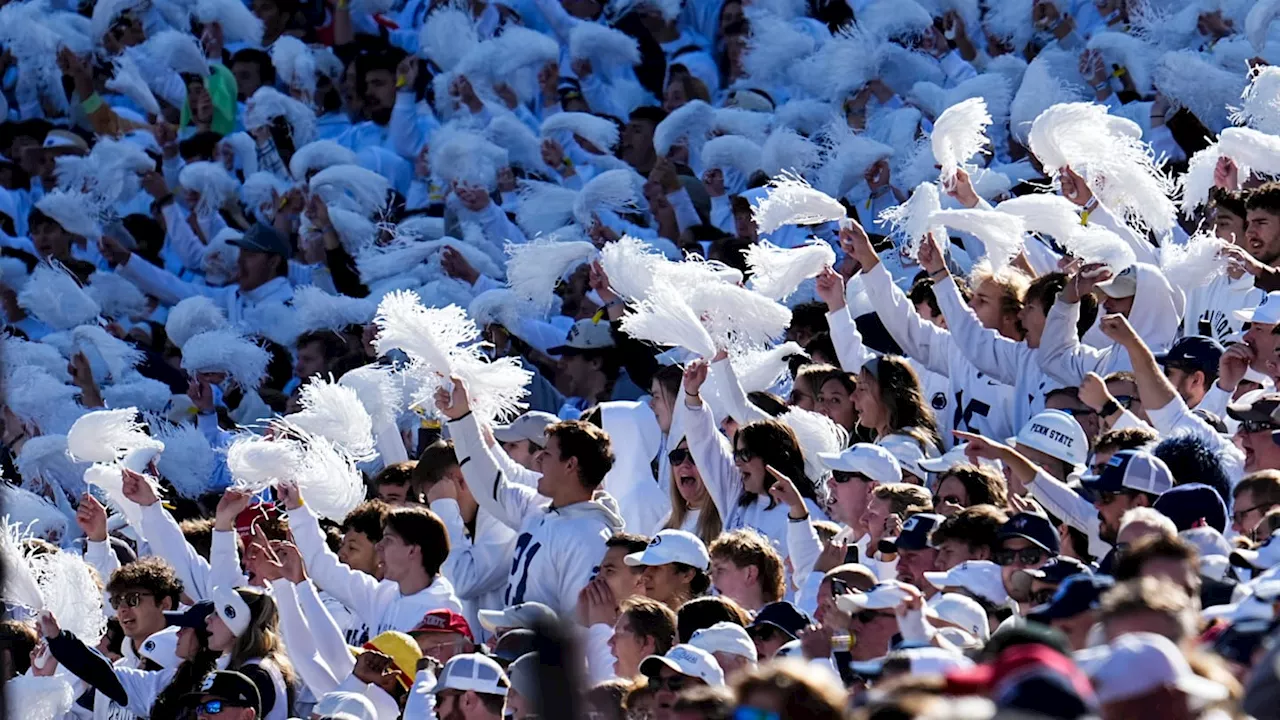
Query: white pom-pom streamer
point(777, 272)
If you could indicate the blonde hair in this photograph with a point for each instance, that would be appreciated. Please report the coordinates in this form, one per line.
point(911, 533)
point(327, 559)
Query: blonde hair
point(709, 524)
point(1009, 279)
point(262, 640)
point(745, 547)
point(1157, 595)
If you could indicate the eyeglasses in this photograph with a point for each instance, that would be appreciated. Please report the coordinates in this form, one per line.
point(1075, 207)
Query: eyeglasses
point(841, 477)
point(1106, 498)
point(1239, 515)
point(762, 633)
point(679, 456)
point(1123, 401)
point(1025, 556)
point(743, 454)
point(1249, 427)
point(674, 683)
point(129, 599)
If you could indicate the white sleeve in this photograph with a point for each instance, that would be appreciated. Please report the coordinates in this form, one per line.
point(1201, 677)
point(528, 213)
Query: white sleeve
point(1061, 354)
point(1067, 504)
point(494, 222)
point(712, 455)
point(578, 560)
point(1175, 417)
point(421, 702)
point(686, 215)
point(473, 567)
point(1144, 250)
point(505, 500)
point(990, 352)
point(722, 214)
point(407, 134)
point(161, 284)
point(740, 407)
point(104, 560)
point(600, 658)
point(929, 344)
point(224, 561)
point(142, 687)
point(315, 674)
point(352, 588)
point(850, 351)
point(168, 542)
point(803, 545)
point(325, 633)
point(1215, 401)
point(514, 471)
point(181, 238)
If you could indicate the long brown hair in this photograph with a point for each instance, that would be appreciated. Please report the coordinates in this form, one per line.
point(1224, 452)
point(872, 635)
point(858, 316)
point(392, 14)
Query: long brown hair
point(709, 523)
point(900, 392)
point(262, 640)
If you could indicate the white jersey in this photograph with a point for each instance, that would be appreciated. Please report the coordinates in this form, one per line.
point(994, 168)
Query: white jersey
point(983, 404)
point(557, 550)
point(1211, 308)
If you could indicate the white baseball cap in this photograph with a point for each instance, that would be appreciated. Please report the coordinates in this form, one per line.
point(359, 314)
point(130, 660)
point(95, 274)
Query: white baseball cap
point(1135, 664)
point(1267, 312)
point(672, 546)
point(907, 452)
point(526, 615)
point(475, 672)
point(964, 612)
point(886, 595)
point(161, 648)
point(980, 578)
point(531, 426)
point(954, 458)
point(688, 660)
point(232, 609)
point(586, 334)
point(725, 637)
point(1055, 434)
point(873, 461)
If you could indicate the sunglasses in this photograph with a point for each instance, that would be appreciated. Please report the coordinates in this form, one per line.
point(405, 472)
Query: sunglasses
point(745, 712)
point(744, 454)
point(674, 683)
point(1248, 427)
point(679, 456)
point(130, 599)
point(867, 617)
point(1123, 401)
point(841, 477)
point(1025, 556)
point(214, 707)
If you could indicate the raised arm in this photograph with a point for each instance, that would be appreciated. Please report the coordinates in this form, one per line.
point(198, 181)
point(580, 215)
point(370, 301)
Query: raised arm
point(1061, 354)
point(712, 453)
point(850, 351)
point(352, 588)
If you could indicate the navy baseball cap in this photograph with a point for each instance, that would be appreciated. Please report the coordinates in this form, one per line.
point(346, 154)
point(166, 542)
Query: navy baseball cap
point(193, 617)
point(1193, 505)
point(915, 533)
point(1032, 527)
point(1194, 352)
point(1076, 594)
point(1131, 470)
point(264, 238)
point(782, 615)
point(1239, 641)
point(1058, 569)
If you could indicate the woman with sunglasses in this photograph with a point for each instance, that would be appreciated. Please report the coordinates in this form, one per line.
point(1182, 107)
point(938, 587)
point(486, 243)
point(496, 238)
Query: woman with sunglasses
point(691, 507)
point(737, 476)
point(890, 403)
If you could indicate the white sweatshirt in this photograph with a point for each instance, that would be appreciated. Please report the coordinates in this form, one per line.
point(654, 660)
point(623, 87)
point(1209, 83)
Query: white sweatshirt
point(477, 565)
point(558, 549)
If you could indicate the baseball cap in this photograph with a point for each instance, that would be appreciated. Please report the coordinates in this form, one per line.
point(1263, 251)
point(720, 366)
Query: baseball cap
point(531, 426)
point(513, 644)
point(475, 672)
point(915, 533)
point(928, 660)
point(1075, 595)
point(1032, 527)
point(1250, 607)
point(1135, 664)
point(907, 452)
point(230, 687)
point(526, 615)
point(1264, 407)
point(193, 617)
point(232, 609)
point(980, 578)
point(523, 672)
point(964, 612)
point(725, 637)
point(161, 648)
point(781, 615)
point(1131, 470)
point(1194, 352)
point(873, 461)
point(1054, 571)
point(672, 546)
point(886, 595)
point(64, 140)
point(948, 460)
point(444, 620)
point(343, 701)
point(265, 239)
point(1123, 285)
point(1267, 312)
point(1193, 505)
point(585, 335)
point(1265, 556)
point(687, 660)
point(1055, 434)
point(1238, 642)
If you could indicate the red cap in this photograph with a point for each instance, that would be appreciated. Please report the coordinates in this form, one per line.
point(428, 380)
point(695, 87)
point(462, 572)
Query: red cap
point(981, 679)
point(254, 514)
point(444, 621)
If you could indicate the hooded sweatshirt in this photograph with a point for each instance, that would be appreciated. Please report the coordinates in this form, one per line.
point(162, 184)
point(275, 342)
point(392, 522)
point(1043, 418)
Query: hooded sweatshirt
point(1156, 316)
point(636, 437)
point(558, 548)
point(221, 85)
point(1211, 308)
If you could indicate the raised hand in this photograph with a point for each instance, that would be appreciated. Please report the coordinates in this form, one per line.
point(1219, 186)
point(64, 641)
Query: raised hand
point(855, 241)
point(1093, 391)
point(695, 373)
point(961, 189)
point(1117, 327)
point(455, 403)
point(830, 287)
point(138, 489)
point(291, 564)
point(232, 503)
point(91, 518)
point(1233, 365)
point(1074, 187)
point(713, 180)
point(784, 491)
point(930, 256)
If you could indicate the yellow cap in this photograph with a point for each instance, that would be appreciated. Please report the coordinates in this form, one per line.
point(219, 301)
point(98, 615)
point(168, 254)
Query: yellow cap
point(401, 648)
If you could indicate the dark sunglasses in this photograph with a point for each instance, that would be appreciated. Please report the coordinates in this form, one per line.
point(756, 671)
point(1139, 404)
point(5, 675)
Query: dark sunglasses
point(215, 707)
point(1025, 556)
point(841, 477)
point(744, 454)
point(679, 456)
point(130, 599)
point(674, 683)
point(1124, 401)
point(868, 616)
point(1248, 427)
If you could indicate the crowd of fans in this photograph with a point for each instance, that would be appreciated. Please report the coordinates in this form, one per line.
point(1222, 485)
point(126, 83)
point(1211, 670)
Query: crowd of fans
point(752, 359)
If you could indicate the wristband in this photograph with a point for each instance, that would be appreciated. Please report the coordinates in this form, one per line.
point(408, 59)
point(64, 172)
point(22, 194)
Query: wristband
point(1110, 408)
point(1104, 85)
point(92, 103)
point(692, 394)
point(802, 518)
point(938, 273)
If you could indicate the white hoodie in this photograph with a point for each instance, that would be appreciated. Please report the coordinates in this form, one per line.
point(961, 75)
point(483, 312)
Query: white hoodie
point(558, 549)
point(1210, 308)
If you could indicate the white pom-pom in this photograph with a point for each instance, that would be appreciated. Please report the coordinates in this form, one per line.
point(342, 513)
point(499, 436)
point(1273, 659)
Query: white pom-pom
point(351, 183)
point(38, 698)
point(665, 318)
point(912, 219)
point(317, 156)
point(615, 191)
point(773, 47)
point(1195, 263)
point(1258, 151)
point(1001, 233)
point(127, 81)
point(19, 583)
point(266, 104)
point(466, 158)
point(40, 517)
point(733, 315)
point(107, 436)
point(1260, 102)
point(958, 134)
point(188, 461)
point(606, 48)
point(1197, 181)
point(44, 459)
point(74, 211)
point(118, 298)
point(596, 130)
point(257, 463)
point(786, 152)
point(319, 310)
point(40, 401)
point(1187, 80)
point(1097, 244)
point(1257, 24)
point(849, 156)
point(732, 152)
point(71, 592)
point(816, 434)
point(377, 390)
point(748, 123)
point(760, 370)
point(687, 126)
point(238, 23)
point(141, 392)
point(544, 207)
point(178, 50)
point(211, 182)
point(294, 63)
point(20, 353)
point(328, 479)
point(534, 268)
point(447, 36)
point(792, 201)
point(1044, 213)
point(631, 264)
point(777, 272)
point(335, 412)
point(109, 356)
point(428, 334)
point(243, 360)
point(192, 316)
point(524, 149)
